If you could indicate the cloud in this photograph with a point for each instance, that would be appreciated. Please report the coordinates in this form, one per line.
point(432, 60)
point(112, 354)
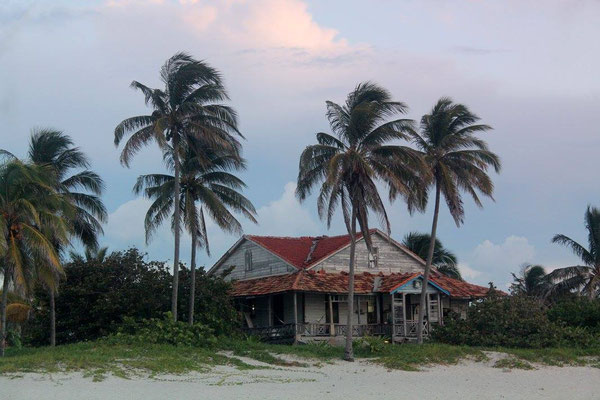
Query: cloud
point(491, 261)
point(468, 272)
point(286, 216)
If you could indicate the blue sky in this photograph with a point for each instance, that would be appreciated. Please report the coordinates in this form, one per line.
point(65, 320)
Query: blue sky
point(528, 68)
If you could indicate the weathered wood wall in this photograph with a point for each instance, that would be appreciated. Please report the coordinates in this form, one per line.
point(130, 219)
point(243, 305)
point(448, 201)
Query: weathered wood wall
point(264, 263)
point(391, 258)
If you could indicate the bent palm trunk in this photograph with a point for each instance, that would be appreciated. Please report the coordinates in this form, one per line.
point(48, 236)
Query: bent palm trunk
point(193, 279)
point(3, 327)
point(349, 353)
point(423, 300)
point(174, 294)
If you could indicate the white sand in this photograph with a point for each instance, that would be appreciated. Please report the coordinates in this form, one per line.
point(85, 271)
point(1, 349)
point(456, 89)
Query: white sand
point(358, 380)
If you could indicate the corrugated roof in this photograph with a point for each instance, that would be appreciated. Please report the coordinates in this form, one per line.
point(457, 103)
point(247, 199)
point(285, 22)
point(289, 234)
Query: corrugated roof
point(304, 251)
point(322, 282)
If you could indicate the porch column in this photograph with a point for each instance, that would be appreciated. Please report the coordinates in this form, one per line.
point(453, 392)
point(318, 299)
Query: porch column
point(270, 308)
point(358, 309)
point(428, 324)
point(295, 317)
point(404, 313)
point(393, 309)
point(378, 308)
point(331, 324)
point(439, 298)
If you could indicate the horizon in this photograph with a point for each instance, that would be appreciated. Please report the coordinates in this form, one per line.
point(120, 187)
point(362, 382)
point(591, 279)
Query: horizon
point(528, 71)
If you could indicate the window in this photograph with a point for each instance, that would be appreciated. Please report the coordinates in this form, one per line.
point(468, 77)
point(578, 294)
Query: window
point(248, 260)
point(374, 258)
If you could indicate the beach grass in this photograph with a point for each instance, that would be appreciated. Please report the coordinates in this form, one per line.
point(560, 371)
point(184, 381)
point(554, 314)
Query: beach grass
point(99, 359)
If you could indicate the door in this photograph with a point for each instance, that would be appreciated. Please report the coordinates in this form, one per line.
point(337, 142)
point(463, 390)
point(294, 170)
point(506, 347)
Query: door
point(278, 317)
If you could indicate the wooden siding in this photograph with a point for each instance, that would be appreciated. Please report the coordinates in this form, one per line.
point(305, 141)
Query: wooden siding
point(391, 259)
point(264, 263)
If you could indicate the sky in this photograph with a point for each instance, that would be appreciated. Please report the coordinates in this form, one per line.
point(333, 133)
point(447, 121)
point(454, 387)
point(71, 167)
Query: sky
point(527, 68)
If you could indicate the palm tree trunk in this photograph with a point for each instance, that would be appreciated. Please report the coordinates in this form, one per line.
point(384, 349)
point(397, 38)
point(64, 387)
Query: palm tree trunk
point(192, 278)
point(52, 319)
point(176, 213)
point(348, 352)
point(3, 327)
point(423, 302)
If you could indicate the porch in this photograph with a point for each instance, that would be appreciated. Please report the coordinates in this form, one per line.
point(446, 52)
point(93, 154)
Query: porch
point(304, 316)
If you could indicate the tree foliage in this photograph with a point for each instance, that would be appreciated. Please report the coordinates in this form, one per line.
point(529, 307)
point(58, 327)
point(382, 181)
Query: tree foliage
point(97, 296)
point(444, 260)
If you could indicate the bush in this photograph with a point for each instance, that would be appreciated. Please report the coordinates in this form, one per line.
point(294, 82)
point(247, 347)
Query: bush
point(512, 321)
point(372, 344)
point(163, 331)
point(577, 312)
point(97, 297)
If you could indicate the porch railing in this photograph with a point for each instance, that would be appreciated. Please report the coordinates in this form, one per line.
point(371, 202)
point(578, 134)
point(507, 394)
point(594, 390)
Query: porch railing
point(287, 332)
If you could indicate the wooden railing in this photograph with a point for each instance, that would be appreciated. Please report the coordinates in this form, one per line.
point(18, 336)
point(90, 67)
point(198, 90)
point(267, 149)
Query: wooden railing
point(276, 334)
point(288, 332)
point(315, 329)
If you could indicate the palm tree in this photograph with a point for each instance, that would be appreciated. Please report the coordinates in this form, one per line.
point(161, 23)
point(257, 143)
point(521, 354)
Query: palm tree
point(213, 186)
point(31, 222)
point(444, 260)
point(348, 164)
point(96, 255)
point(532, 281)
point(189, 106)
point(81, 187)
point(457, 161)
point(584, 278)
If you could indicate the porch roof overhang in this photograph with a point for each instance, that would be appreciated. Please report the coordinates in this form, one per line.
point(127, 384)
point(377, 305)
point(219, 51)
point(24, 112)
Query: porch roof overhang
point(364, 284)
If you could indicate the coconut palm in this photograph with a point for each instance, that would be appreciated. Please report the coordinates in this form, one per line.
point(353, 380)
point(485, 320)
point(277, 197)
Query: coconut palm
point(188, 106)
point(532, 281)
point(81, 187)
point(443, 259)
point(457, 161)
point(586, 277)
point(31, 223)
point(95, 255)
point(209, 184)
point(348, 164)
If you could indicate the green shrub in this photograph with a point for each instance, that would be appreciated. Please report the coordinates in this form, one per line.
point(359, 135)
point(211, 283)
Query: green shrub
point(577, 312)
point(372, 344)
point(511, 321)
point(163, 331)
point(97, 297)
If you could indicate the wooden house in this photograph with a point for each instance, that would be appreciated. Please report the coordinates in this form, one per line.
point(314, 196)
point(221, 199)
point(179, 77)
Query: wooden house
point(296, 287)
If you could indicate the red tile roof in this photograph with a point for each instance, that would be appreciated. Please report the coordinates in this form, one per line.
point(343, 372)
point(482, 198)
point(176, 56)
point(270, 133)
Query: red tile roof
point(365, 283)
point(304, 251)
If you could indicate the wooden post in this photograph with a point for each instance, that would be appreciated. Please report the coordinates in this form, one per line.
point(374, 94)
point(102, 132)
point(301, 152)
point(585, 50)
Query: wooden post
point(358, 309)
point(295, 317)
point(331, 324)
point(427, 304)
point(378, 308)
point(404, 313)
point(440, 309)
point(270, 301)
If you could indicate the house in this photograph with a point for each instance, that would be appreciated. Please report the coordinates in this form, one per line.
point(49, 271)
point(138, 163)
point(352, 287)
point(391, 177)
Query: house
point(296, 287)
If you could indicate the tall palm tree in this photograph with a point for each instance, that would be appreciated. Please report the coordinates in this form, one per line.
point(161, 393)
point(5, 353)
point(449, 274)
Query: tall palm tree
point(348, 164)
point(532, 281)
point(457, 161)
point(586, 277)
point(31, 222)
point(212, 185)
point(188, 106)
point(444, 260)
point(81, 187)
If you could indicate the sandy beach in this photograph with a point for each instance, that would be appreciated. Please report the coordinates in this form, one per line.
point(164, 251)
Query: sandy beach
point(340, 380)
